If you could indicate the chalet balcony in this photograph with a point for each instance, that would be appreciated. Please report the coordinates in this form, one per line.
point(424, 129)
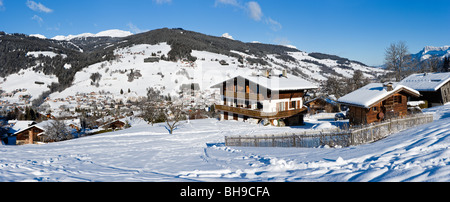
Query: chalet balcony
point(260, 114)
point(243, 95)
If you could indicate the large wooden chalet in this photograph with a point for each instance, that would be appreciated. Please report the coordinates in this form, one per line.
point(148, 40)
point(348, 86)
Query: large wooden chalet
point(434, 87)
point(376, 102)
point(276, 98)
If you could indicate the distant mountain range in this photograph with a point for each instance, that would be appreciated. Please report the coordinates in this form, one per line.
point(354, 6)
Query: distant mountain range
point(107, 33)
point(431, 52)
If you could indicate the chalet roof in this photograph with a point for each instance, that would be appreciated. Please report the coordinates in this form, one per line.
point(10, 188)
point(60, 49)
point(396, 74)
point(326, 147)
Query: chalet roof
point(426, 81)
point(325, 99)
point(18, 125)
point(42, 125)
point(276, 82)
point(374, 93)
point(114, 121)
point(32, 126)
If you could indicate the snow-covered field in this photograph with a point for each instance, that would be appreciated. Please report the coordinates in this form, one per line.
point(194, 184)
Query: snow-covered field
point(195, 152)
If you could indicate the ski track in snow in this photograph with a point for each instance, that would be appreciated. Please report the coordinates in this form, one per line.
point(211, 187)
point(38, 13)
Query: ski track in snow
point(196, 153)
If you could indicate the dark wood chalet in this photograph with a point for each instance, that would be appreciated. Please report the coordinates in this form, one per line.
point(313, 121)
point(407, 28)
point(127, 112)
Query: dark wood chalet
point(433, 87)
point(322, 104)
point(29, 135)
point(114, 125)
point(276, 98)
point(376, 102)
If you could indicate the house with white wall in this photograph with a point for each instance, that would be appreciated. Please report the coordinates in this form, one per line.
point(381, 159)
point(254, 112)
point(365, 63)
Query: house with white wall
point(273, 97)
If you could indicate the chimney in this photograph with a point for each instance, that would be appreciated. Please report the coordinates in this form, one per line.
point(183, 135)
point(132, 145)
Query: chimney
point(388, 86)
point(284, 73)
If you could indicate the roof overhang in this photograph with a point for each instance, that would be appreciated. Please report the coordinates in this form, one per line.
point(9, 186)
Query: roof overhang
point(264, 84)
point(402, 89)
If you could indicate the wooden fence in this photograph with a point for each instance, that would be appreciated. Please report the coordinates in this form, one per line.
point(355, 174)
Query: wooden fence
point(353, 136)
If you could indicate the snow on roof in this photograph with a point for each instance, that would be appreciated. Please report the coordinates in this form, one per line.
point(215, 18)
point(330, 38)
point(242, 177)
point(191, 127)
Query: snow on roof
point(43, 125)
point(426, 81)
point(373, 93)
point(24, 129)
point(17, 125)
point(277, 82)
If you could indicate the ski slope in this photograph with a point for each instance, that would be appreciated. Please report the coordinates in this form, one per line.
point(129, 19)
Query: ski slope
point(195, 152)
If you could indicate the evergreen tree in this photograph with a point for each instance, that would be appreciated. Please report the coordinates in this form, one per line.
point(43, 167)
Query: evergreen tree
point(446, 65)
point(121, 91)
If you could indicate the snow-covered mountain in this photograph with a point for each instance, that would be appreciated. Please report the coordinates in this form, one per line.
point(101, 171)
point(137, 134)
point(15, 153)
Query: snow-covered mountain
point(166, 59)
point(432, 51)
point(107, 33)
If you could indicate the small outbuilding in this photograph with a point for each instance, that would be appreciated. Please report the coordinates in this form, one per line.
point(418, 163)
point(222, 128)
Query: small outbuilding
point(117, 124)
point(322, 104)
point(29, 135)
point(376, 102)
point(433, 87)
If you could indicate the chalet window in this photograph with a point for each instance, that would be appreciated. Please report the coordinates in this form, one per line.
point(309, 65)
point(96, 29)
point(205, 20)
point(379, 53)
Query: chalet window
point(375, 109)
point(259, 105)
point(224, 86)
point(247, 86)
point(293, 103)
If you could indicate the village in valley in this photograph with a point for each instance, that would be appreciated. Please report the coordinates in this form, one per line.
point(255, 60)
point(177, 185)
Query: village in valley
point(258, 96)
point(264, 97)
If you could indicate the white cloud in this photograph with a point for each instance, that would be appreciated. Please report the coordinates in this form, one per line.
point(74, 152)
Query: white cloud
point(38, 19)
point(38, 7)
point(282, 41)
point(162, 1)
point(133, 28)
point(274, 25)
point(255, 11)
point(1, 5)
point(228, 2)
point(228, 36)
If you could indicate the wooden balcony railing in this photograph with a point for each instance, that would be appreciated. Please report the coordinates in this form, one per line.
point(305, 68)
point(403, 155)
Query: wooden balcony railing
point(243, 95)
point(260, 114)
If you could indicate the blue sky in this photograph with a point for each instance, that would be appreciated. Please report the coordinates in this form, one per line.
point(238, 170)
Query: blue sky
point(356, 29)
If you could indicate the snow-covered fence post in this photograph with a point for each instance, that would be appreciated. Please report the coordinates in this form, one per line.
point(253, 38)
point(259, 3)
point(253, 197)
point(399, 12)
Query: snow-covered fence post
point(293, 140)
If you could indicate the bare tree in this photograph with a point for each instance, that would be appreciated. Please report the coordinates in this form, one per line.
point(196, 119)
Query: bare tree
point(395, 58)
point(174, 114)
point(433, 64)
point(333, 86)
point(153, 95)
point(56, 131)
point(151, 114)
point(357, 81)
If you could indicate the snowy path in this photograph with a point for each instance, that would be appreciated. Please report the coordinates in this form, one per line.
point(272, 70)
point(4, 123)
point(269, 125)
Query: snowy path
point(196, 153)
